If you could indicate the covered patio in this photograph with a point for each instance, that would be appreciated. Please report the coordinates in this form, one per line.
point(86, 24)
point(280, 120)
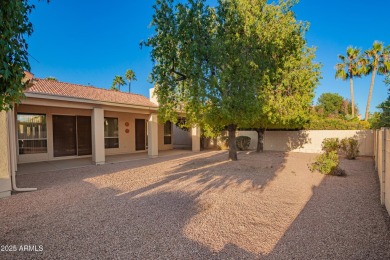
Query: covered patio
point(56, 165)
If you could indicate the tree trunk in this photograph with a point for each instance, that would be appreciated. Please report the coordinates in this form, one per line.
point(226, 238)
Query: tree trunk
point(260, 140)
point(370, 94)
point(232, 142)
point(352, 96)
point(346, 106)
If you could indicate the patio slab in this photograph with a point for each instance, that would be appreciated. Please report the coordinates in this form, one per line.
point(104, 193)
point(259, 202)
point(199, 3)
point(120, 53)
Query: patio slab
point(55, 165)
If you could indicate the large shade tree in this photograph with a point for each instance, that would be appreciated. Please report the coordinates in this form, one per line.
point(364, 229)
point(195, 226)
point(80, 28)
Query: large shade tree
point(377, 60)
point(287, 74)
point(287, 104)
point(215, 64)
point(349, 68)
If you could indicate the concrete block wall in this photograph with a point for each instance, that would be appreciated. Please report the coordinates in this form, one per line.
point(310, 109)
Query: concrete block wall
point(386, 166)
point(310, 141)
point(382, 164)
point(182, 139)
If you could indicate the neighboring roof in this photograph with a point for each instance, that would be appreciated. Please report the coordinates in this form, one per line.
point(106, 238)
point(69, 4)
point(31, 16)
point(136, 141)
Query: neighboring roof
point(57, 88)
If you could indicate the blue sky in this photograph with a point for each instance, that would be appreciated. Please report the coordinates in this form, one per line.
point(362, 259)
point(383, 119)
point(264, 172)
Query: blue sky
point(89, 42)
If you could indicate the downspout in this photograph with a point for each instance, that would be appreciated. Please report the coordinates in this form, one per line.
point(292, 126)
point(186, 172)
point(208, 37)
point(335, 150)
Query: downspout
point(12, 151)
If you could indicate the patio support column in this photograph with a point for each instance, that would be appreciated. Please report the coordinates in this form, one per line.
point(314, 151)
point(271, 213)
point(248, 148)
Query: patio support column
point(195, 133)
point(153, 136)
point(5, 178)
point(98, 152)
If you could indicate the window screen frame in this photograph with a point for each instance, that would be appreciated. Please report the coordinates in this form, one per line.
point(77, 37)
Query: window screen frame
point(168, 134)
point(111, 141)
point(43, 140)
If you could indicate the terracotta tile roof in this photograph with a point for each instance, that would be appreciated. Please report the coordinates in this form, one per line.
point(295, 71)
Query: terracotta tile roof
point(51, 87)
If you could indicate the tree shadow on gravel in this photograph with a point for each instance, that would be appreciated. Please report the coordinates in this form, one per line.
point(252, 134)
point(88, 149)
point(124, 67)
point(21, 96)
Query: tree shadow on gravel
point(87, 212)
point(342, 220)
point(101, 225)
point(254, 170)
point(60, 177)
point(198, 208)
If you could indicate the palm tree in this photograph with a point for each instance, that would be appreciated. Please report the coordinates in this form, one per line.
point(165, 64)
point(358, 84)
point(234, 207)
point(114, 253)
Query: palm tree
point(348, 69)
point(130, 75)
point(117, 83)
point(377, 61)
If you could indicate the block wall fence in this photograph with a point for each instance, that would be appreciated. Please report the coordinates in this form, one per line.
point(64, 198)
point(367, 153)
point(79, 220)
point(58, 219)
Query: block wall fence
point(382, 164)
point(310, 141)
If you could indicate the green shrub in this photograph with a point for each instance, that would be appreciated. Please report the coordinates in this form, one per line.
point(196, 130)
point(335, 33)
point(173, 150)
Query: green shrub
point(243, 142)
point(350, 147)
point(318, 123)
point(327, 163)
point(330, 145)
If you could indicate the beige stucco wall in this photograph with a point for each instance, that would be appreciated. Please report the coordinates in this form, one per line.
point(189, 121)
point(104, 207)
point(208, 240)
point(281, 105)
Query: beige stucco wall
point(161, 145)
point(49, 111)
point(382, 164)
point(379, 163)
point(310, 141)
point(126, 140)
point(152, 96)
point(182, 138)
point(5, 180)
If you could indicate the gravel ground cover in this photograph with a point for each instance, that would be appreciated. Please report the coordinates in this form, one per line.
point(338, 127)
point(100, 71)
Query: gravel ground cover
point(264, 206)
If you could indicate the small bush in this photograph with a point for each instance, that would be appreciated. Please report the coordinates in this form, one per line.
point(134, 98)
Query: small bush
point(339, 172)
point(327, 163)
point(243, 142)
point(330, 145)
point(350, 147)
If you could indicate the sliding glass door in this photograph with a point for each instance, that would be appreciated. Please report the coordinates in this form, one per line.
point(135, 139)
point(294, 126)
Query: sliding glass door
point(72, 135)
point(64, 136)
point(84, 140)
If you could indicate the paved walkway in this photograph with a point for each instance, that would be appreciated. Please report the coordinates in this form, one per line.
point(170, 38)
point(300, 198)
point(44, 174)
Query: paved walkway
point(198, 206)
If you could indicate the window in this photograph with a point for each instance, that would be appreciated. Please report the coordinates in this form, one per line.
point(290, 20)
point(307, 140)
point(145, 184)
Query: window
point(168, 133)
point(111, 139)
point(32, 133)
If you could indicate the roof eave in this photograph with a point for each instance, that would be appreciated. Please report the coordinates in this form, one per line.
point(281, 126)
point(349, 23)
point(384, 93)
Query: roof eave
point(85, 100)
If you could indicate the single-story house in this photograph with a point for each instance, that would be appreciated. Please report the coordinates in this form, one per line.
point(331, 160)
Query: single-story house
point(59, 120)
